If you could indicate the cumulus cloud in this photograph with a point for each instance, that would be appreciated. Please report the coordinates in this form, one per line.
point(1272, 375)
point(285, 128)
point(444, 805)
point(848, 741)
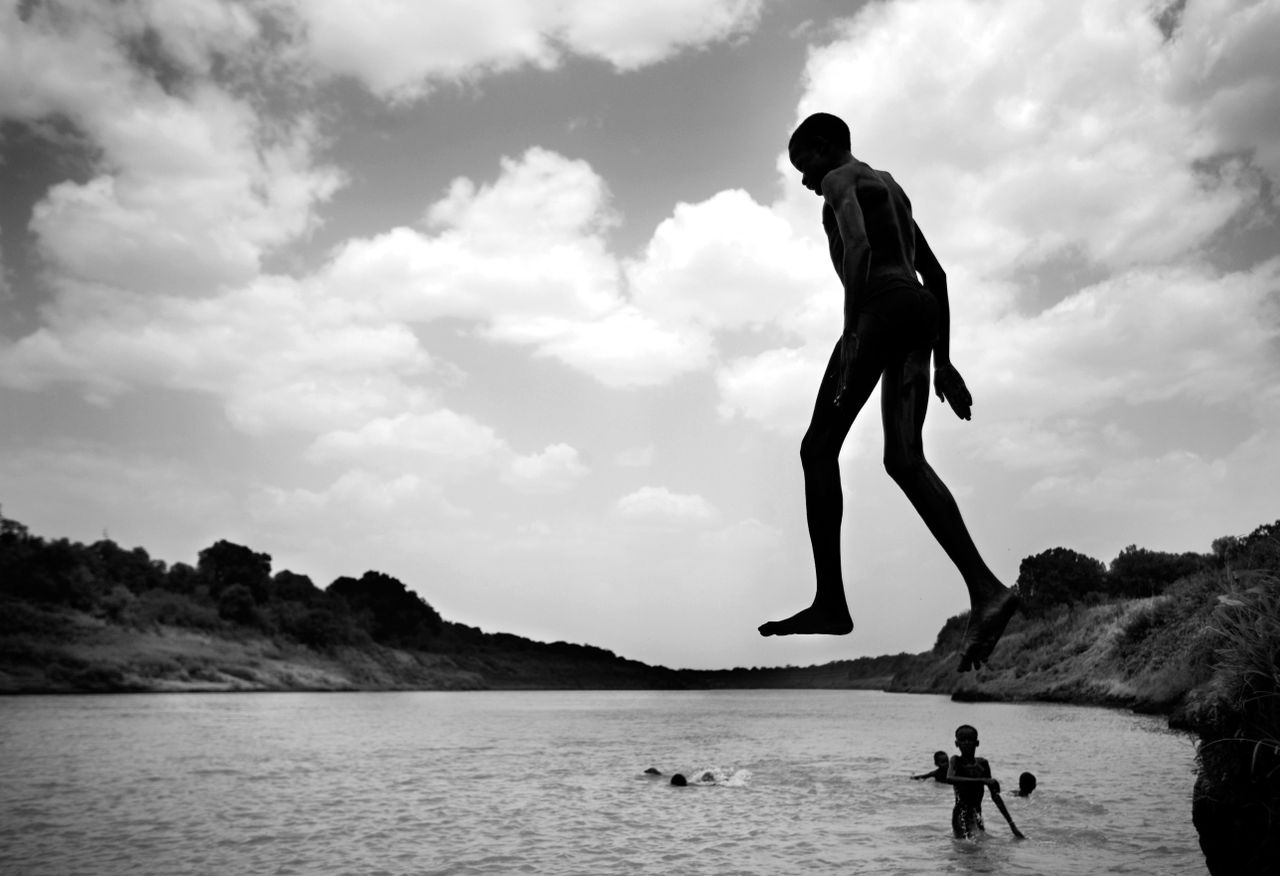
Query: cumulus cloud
point(1223, 70)
point(554, 470)
point(357, 497)
point(407, 440)
point(658, 504)
point(526, 258)
point(277, 361)
point(516, 254)
point(631, 35)
point(192, 186)
point(445, 446)
point(729, 263)
point(1142, 335)
point(775, 388)
point(400, 50)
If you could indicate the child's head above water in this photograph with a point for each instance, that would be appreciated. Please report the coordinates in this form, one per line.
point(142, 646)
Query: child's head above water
point(966, 738)
point(940, 758)
point(1026, 784)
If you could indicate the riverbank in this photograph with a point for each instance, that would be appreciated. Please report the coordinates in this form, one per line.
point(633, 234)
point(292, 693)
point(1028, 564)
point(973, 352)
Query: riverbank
point(1145, 654)
point(1142, 654)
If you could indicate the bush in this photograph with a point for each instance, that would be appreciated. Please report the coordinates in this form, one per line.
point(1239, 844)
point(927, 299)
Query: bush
point(236, 604)
point(1138, 572)
point(1058, 576)
point(174, 609)
point(1236, 800)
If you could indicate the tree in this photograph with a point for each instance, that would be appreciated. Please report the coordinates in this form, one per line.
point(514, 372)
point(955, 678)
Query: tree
point(951, 635)
point(289, 586)
point(1059, 575)
point(133, 569)
point(387, 610)
point(182, 578)
point(1259, 549)
point(1224, 549)
point(225, 564)
point(1138, 572)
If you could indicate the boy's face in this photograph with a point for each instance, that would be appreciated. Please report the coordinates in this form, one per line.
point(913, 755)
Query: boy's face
point(814, 161)
point(967, 743)
point(940, 759)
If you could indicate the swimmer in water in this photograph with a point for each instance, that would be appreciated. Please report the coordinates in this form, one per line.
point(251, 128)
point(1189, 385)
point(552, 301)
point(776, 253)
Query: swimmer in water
point(1026, 784)
point(939, 771)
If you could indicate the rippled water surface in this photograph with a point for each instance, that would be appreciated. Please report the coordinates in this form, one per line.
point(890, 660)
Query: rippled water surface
point(549, 782)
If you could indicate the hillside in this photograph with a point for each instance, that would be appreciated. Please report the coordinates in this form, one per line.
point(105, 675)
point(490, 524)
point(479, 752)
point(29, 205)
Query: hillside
point(1145, 653)
point(99, 618)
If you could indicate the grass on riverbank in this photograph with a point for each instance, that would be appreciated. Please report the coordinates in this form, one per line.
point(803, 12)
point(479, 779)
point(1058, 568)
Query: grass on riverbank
point(1236, 802)
point(1145, 654)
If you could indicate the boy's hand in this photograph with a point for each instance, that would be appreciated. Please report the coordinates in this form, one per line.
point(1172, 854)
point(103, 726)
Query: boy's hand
point(848, 355)
point(950, 387)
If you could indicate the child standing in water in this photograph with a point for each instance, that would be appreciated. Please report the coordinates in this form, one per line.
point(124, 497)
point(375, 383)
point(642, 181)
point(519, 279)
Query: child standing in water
point(970, 775)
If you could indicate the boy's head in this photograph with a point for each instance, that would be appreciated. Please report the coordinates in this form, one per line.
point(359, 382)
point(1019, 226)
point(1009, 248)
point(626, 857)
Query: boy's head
point(940, 758)
point(1026, 784)
point(821, 131)
point(818, 146)
point(966, 738)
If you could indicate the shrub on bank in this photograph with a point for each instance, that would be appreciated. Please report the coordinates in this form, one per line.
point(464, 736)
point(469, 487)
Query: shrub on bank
point(1236, 799)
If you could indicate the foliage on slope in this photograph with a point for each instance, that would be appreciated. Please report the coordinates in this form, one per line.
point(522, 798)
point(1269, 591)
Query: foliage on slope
point(1236, 799)
point(1138, 653)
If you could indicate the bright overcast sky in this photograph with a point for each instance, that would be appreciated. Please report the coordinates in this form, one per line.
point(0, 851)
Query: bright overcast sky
point(520, 302)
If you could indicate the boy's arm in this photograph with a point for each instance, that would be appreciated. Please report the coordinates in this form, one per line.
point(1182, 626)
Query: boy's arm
point(840, 193)
point(947, 381)
point(954, 779)
point(935, 280)
point(986, 771)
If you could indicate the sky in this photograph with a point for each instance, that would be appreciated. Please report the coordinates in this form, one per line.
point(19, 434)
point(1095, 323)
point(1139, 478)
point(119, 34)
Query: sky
point(521, 303)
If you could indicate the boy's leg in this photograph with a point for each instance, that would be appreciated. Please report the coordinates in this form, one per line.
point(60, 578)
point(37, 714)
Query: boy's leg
point(904, 399)
point(823, 497)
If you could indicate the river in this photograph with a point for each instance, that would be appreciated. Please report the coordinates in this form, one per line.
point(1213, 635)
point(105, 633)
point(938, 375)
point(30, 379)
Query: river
point(553, 783)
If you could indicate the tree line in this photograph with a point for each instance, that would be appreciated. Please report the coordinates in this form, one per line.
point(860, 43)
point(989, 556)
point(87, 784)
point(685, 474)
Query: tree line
point(230, 585)
point(1061, 576)
point(233, 586)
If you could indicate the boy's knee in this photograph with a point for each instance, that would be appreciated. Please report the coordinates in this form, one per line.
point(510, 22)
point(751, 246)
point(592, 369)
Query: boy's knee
point(902, 467)
point(815, 449)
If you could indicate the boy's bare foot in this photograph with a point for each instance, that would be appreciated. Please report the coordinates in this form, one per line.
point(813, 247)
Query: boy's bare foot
point(812, 620)
point(986, 626)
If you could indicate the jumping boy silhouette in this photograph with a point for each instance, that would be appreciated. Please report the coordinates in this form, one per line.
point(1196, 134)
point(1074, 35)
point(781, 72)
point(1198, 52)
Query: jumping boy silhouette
point(891, 324)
